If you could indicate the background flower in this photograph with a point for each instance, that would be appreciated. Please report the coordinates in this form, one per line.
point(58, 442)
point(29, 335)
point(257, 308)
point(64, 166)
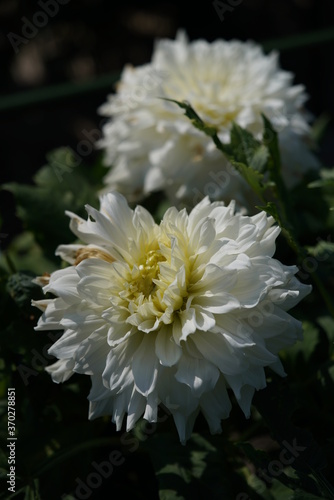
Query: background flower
point(152, 146)
point(175, 313)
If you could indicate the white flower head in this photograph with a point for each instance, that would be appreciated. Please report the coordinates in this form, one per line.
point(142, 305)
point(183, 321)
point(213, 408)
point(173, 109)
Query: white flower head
point(150, 144)
point(178, 313)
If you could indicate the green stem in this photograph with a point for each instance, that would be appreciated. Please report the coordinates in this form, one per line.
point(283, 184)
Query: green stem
point(285, 218)
point(299, 41)
point(54, 92)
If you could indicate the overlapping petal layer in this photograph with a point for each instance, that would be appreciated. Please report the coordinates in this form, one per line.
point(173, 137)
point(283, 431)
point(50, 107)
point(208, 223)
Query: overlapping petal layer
point(177, 313)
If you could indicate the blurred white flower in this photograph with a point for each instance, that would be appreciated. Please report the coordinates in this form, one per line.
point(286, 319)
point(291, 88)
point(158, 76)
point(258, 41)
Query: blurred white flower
point(152, 146)
point(176, 313)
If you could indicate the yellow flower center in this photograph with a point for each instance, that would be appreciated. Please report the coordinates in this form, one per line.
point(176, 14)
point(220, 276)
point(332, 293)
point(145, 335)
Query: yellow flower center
point(148, 270)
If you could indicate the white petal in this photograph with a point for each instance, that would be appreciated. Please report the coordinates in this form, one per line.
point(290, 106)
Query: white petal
point(167, 351)
point(61, 370)
point(67, 345)
point(100, 408)
point(245, 399)
point(188, 322)
point(151, 410)
point(135, 409)
point(185, 424)
point(214, 348)
point(218, 304)
point(145, 365)
point(63, 283)
point(98, 390)
point(90, 357)
point(117, 374)
point(198, 374)
point(53, 312)
point(216, 405)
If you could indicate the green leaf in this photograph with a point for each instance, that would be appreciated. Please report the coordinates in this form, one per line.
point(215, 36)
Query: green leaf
point(21, 289)
point(175, 479)
point(258, 457)
point(194, 117)
point(263, 463)
point(32, 492)
point(252, 177)
point(278, 491)
point(322, 250)
point(310, 340)
point(326, 180)
point(271, 209)
point(176, 470)
point(244, 148)
point(197, 470)
point(270, 138)
point(245, 153)
point(58, 187)
point(25, 254)
point(320, 126)
point(260, 158)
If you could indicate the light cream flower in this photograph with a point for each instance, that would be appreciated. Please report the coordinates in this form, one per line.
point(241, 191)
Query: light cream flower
point(177, 313)
point(152, 146)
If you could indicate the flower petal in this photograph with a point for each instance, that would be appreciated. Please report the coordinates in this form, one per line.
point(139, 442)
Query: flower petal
point(198, 374)
point(145, 366)
point(167, 351)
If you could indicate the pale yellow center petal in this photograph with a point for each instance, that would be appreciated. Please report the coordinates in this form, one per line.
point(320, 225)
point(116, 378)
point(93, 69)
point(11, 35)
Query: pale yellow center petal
point(147, 271)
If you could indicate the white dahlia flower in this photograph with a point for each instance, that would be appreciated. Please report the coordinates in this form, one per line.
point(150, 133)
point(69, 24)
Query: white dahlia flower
point(177, 313)
point(152, 146)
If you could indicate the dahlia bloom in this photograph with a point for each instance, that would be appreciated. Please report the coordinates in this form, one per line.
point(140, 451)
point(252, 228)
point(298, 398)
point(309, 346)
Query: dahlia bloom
point(178, 313)
point(152, 146)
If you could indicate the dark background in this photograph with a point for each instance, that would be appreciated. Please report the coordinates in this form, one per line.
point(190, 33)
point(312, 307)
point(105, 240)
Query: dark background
point(88, 39)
